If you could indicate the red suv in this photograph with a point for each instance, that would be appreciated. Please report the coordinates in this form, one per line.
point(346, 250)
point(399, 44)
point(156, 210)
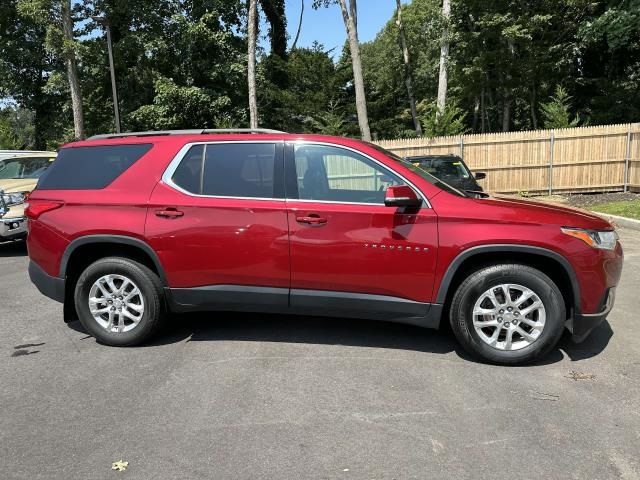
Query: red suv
point(125, 229)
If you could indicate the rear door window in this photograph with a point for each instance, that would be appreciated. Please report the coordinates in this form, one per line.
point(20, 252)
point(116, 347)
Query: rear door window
point(90, 168)
point(228, 170)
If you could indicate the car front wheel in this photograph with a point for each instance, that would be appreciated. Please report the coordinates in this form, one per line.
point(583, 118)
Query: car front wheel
point(508, 314)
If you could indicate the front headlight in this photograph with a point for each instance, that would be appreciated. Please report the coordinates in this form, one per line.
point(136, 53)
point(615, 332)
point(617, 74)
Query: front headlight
point(601, 239)
point(14, 198)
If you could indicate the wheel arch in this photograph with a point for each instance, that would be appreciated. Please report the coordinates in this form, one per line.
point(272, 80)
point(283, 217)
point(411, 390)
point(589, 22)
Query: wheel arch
point(545, 260)
point(85, 250)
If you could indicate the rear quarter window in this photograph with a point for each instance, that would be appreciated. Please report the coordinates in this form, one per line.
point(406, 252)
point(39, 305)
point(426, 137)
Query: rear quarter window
point(90, 168)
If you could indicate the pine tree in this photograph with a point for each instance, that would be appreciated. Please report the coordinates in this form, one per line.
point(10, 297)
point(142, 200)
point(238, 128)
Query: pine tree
point(556, 113)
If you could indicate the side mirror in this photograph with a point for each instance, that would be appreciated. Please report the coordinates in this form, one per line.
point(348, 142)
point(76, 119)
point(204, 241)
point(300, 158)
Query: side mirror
point(401, 196)
point(481, 175)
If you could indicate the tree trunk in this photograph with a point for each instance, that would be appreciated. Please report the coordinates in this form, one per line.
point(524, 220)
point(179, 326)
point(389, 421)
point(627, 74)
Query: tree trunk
point(408, 80)
point(444, 55)
point(476, 112)
point(39, 110)
point(72, 71)
point(350, 23)
point(482, 110)
point(507, 98)
point(295, 41)
point(534, 116)
point(506, 111)
point(251, 67)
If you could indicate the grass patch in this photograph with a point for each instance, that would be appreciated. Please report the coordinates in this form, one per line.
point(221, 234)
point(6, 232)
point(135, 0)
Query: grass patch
point(629, 209)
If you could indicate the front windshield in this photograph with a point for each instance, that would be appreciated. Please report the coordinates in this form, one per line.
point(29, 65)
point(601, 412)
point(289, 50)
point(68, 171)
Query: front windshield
point(419, 170)
point(444, 168)
point(18, 168)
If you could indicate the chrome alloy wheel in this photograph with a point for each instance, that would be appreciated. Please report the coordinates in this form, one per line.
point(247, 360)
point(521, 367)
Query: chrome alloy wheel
point(116, 303)
point(509, 317)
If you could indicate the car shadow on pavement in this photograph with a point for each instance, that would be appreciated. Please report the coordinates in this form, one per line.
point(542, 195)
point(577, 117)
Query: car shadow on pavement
point(13, 249)
point(248, 327)
point(592, 346)
point(258, 327)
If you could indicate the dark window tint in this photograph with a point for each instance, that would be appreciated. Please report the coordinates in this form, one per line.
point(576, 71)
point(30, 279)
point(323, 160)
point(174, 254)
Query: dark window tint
point(339, 175)
point(230, 170)
point(240, 170)
point(90, 168)
point(188, 175)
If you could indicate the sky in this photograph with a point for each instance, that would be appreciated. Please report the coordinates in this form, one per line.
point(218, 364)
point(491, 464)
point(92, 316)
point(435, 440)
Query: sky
point(325, 25)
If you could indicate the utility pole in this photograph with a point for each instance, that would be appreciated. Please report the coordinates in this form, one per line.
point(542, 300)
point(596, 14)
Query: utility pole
point(105, 23)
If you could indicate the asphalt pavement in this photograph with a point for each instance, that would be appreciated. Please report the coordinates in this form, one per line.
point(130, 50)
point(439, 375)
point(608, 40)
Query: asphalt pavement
point(233, 396)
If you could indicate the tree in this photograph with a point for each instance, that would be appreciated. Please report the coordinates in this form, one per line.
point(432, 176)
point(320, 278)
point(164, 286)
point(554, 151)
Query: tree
point(68, 52)
point(295, 40)
point(556, 112)
point(179, 64)
point(55, 15)
point(330, 122)
point(252, 27)
point(26, 68)
point(607, 84)
point(407, 71)
point(444, 58)
point(438, 123)
point(16, 128)
point(350, 18)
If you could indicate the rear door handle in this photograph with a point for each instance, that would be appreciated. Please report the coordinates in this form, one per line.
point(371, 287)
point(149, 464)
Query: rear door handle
point(312, 220)
point(169, 213)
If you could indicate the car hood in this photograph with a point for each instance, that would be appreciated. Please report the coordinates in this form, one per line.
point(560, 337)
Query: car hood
point(18, 185)
point(550, 213)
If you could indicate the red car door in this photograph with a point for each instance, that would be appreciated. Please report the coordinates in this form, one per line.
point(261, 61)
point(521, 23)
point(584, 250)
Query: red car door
point(346, 244)
point(218, 223)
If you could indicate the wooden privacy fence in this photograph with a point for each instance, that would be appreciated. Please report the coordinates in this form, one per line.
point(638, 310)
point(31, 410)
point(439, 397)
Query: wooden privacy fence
point(570, 160)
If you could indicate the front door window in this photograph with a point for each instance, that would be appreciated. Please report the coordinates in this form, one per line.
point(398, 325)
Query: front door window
point(328, 173)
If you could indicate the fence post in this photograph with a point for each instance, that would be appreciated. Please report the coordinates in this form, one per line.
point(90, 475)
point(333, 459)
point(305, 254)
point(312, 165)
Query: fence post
point(552, 142)
point(627, 158)
point(461, 147)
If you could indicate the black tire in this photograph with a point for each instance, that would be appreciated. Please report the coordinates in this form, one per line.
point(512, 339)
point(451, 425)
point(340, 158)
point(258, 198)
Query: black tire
point(150, 287)
point(465, 297)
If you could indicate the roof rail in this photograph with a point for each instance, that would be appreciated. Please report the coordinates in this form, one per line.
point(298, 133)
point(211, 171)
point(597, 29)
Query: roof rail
point(183, 132)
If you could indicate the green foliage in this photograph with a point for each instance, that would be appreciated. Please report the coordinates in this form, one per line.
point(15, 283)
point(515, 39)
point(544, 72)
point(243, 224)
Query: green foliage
point(331, 122)
point(556, 112)
point(182, 64)
point(313, 91)
point(383, 67)
point(176, 107)
point(440, 124)
point(25, 68)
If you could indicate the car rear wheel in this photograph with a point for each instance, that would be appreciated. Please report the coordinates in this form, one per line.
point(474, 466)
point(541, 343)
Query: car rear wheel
point(119, 301)
point(508, 314)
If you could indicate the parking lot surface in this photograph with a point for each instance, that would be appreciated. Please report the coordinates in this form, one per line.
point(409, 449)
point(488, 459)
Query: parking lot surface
point(237, 396)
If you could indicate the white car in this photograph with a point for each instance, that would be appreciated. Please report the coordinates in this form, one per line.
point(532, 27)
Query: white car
point(19, 173)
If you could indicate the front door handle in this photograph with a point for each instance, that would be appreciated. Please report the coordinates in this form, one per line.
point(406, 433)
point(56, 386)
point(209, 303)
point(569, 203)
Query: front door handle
point(312, 219)
point(169, 212)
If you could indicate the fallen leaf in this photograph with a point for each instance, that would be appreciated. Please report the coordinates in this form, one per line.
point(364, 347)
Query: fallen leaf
point(120, 466)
